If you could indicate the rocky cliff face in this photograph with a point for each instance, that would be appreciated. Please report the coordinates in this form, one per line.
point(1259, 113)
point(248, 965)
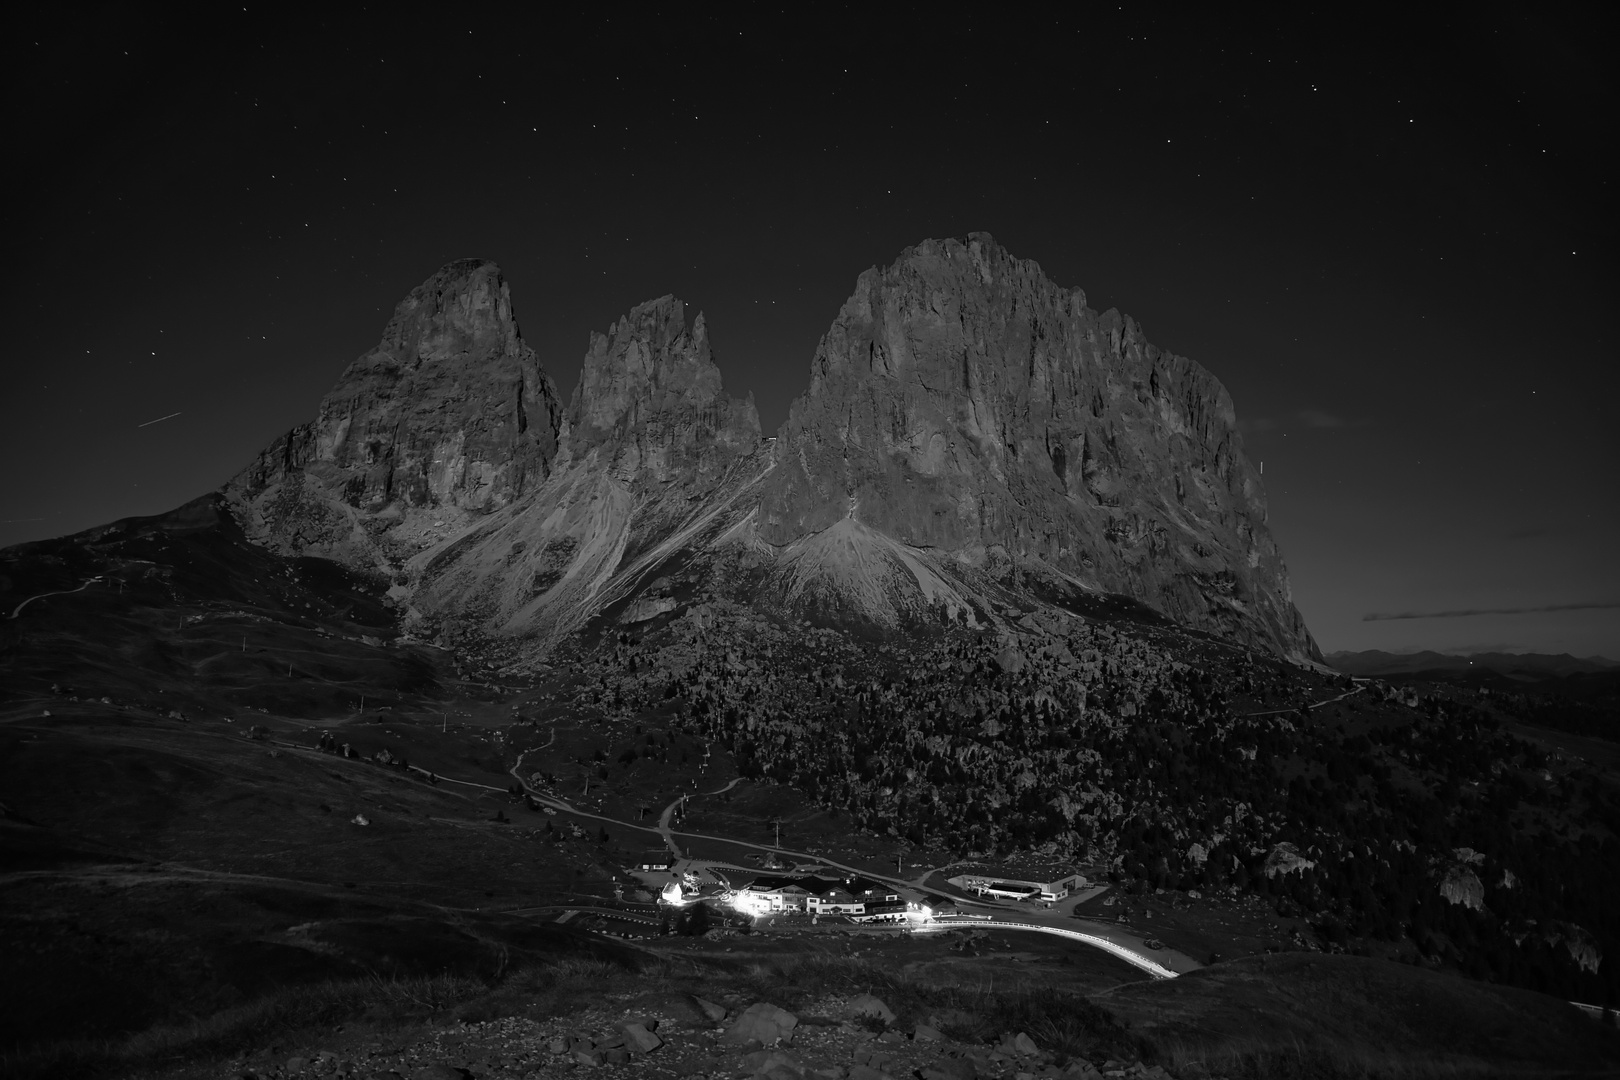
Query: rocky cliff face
point(450, 412)
point(649, 397)
point(654, 458)
point(444, 459)
point(969, 408)
point(975, 439)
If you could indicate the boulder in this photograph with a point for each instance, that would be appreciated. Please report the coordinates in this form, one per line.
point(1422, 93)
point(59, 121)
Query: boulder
point(773, 1065)
point(712, 1012)
point(869, 1005)
point(764, 1023)
point(440, 1072)
point(1022, 1045)
point(680, 1007)
point(1285, 858)
point(1462, 886)
point(639, 1038)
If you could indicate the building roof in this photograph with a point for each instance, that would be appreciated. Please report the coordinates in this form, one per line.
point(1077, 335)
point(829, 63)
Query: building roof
point(770, 882)
point(1043, 873)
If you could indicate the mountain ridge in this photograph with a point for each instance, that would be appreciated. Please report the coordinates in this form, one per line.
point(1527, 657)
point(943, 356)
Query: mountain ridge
point(1371, 662)
point(974, 441)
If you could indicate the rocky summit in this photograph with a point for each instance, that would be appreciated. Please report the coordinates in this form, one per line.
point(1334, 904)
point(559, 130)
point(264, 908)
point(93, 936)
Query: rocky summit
point(975, 444)
point(450, 411)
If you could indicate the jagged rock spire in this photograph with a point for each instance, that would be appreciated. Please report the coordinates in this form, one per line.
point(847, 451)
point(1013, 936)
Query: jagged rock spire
point(649, 392)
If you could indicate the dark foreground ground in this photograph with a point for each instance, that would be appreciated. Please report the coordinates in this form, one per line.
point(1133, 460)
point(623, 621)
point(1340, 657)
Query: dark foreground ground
point(191, 887)
point(568, 1016)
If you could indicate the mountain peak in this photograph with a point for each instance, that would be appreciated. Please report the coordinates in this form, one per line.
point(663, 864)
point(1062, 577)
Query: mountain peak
point(964, 403)
point(465, 303)
point(649, 392)
point(451, 408)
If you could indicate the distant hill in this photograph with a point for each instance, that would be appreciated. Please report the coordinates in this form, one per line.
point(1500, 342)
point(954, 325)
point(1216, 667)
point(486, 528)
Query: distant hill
point(1374, 663)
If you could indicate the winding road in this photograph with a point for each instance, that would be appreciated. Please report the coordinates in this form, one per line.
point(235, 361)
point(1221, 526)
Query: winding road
point(1315, 704)
point(60, 592)
point(1136, 959)
point(996, 915)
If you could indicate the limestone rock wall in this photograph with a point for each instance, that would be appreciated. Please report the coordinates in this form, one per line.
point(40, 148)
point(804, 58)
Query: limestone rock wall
point(451, 407)
point(649, 396)
point(652, 458)
point(966, 405)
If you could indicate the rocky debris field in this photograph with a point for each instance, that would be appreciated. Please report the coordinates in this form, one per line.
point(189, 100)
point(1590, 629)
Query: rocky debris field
point(679, 1035)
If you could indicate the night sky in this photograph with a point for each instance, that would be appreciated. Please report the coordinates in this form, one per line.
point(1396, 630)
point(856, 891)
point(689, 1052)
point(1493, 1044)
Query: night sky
point(1393, 241)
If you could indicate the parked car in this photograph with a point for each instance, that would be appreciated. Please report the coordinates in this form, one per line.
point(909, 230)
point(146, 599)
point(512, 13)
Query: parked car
point(1153, 943)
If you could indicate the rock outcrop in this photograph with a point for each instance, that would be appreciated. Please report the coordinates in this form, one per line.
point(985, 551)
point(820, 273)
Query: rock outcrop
point(975, 442)
point(1285, 858)
point(1461, 885)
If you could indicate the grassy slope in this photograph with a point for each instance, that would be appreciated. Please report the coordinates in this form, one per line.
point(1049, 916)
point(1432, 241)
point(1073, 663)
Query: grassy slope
point(1357, 1008)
